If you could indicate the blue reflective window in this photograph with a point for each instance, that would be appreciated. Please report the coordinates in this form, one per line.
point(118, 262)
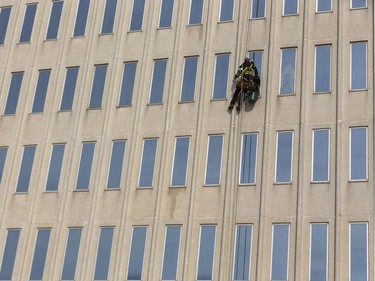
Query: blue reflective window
point(358, 67)
point(41, 90)
point(137, 252)
point(257, 57)
point(127, 87)
point(358, 252)
point(258, 9)
point(196, 11)
point(323, 5)
point(221, 76)
point(117, 162)
point(9, 254)
point(166, 13)
point(24, 176)
point(280, 252)
point(137, 15)
point(158, 80)
point(71, 254)
point(4, 21)
point(323, 68)
point(109, 16)
point(103, 256)
point(206, 252)
point(357, 4)
point(358, 153)
point(284, 156)
point(3, 155)
point(146, 175)
point(69, 88)
point(319, 252)
point(81, 18)
point(55, 166)
point(321, 155)
point(28, 22)
point(98, 86)
point(226, 10)
point(189, 79)
point(248, 158)
point(242, 256)
point(180, 162)
point(288, 71)
point(171, 250)
point(54, 19)
point(213, 165)
point(13, 93)
point(40, 254)
point(290, 7)
point(85, 166)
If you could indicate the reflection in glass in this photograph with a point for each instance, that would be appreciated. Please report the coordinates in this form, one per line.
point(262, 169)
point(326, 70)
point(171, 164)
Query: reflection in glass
point(226, 10)
point(319, 252)
point(258, 9)
point(9, 254)
point(3, 155)
point(358, 153)
point(71, 254)
point(357, 4)
point(41, 90)
point(180, 162)
point(103, 256)
point(137, 253)
point(55, 166)
point(40, 254)
point(85, 166)
point(288, 71)
point(321, 155)
point(13, 93)
point(358, 252)
point(127, 86)
point(69, 88)
point(148, 163)
point(358, 68)
point(280, 252)
point(109, 16)
point(206, 252)
point(4, 21)
point(221, 76)
point(290, 7)
point(26, 169)
point(137, 15)
point(98, 86)
point(242, 257)
point(196, 11)
point(54, 19)
point(189, 79)
point(213, 165)
point(248, 158)
point(284, 157)
point(323, 68)
point(81, 18)
point(158, 79)
point(171, 249)
point(117, 162)
point(323, 5)
point(28, 22)
point(166, 13)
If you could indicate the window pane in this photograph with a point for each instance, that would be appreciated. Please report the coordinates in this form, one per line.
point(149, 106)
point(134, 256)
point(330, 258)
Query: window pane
point(9, 254)
point(98, 86)
point(288, 71)
point(321, 155)
point(4, 21)
point(127, 86)
point(323, 68)
point(257, 57)
point(290, 7)
point(242, 257)
point(226, 11)
point(14, 93)
point(213, 166)
point(323, 5)
point(109, 16)
point(26, 169)
point(221, 76)
point(166, 13)
point(171, 249)
point(81, 18)
point(69, 88)
point(40, 254)
point(137, 253)
point(28, 22)
point(248, 158)
point(71, 254)
point(319, 252)
point(104, 253)
point(284, 157)
point(196, 11)
point(358, 68)
point(358, 4)
point(180, 162)
point(358, 252)
point(137, 15)
point(41, 90)
point(358, 153)
point(158, 79)
point(258, 9)
point(190, 75)
point(117, 162)
point(3, 155)
point(206, 252)
point(87, 157)
point(54, 19)
point(148, 163)
point(55, 167)
point(280, 252)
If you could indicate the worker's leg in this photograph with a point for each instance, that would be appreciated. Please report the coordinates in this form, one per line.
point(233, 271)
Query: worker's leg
point(234, 98)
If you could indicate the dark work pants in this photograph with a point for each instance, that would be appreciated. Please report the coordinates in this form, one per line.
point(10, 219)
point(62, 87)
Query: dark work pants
point(236, 97)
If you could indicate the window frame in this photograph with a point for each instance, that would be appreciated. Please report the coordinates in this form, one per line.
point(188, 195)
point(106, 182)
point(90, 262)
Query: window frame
point(27, 40)
point(123, 84)
point(65, 84)
point(31, 169)
point(66, 248)
point(185, 78)
point(4, 251)
point(199, 250)
point(350, 246)
point(350, 155)
point(12, 94)
point(40, 94)
point(220, 20)
point(280, 93)
point(250, 246)
point(291, 157)
point(98, 248)
point(252, 7)
point(131, 249)
point(190, 13)
point(154, 164)
point(323, 11)
point(122, 164)
point(133, 18)
point(326, 248)
point(59, 21)
point(152, 82)
point(289, 15)
point(217, 55)
point(76, 17)
point(174, 160)
point(221, 158)
point(5, 27)
point(316, 69)
point(164, 248)
point(46, 253)
point(255, 160)
point(358, 8)
point(112, 21)
point(3, 164)
point(328, 156)
point(288, 250)
point(96, 79)
point(79, 167)
point(49, 167)
point(351, 67)
point(160, 15)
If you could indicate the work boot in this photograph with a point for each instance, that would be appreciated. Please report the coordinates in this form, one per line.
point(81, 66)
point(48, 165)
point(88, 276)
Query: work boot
point(230, 107)
point(238, 108)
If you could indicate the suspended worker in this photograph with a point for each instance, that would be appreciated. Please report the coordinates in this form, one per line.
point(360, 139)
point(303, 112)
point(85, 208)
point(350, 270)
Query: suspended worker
point(245, 75)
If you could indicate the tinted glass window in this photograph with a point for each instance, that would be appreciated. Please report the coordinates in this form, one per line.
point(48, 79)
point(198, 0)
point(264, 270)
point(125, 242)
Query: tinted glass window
point(355, 4)
point(158, 79)
point(196, 11)
point(41, 90)
point(258, 9)
point(109, 16)
point(28, 22)
point(180, 161)
point(54, 19)
point(221, 76)
point(226, 10)
point(71, 254)
point(290, 7)
point(284, 156)
point(69, 88)
point(248, 158)
point(288, 71)
point(117, 162)
point(137, 15)
point(26, 169)
point(323, 68)
point(55, 166)
point(9, 254)
point(358, 252)
point(3, 155)
point(98, 86)
point(206, 252)
point(358, 68)
point(323, 5)
point(4, 21)
point(241, 270)
point(171, 249)
point(137, 253)
point(321, 155)
point(127, 87)
point(213, 166)
point(280, 252)
point(103, 256)
point(358, 153)
point(166, 13)
point(40, 254)
point(85, 166)
point(81, 18)
point(148, 163)
point(319, 252)
point(14, 93)
point(257, 57)
point(190, 75)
